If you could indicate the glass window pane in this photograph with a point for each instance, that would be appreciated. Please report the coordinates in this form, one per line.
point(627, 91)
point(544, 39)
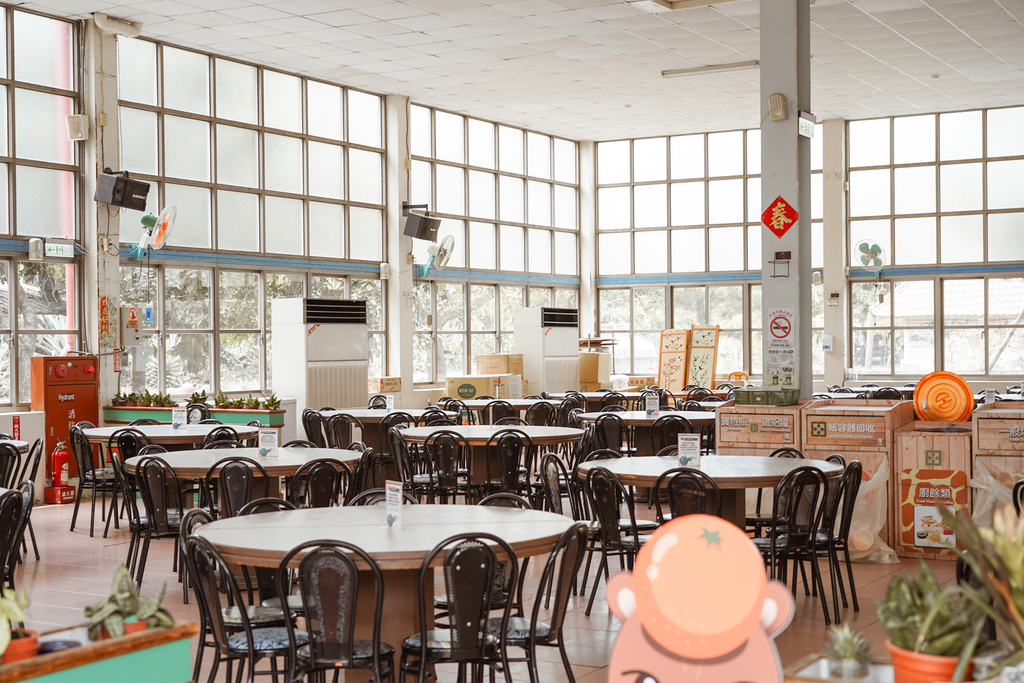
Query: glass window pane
point(451, 189)
point(481, 344)
point(915, 189)
point(43, 50)
point(1005, 190)
point(510, 149)
point(1005, 130)
point(613, 162)
point(614, 307)
point(510, 199)
point(283, 225)
point(1004, 300)
point(422, 183)
point(282, 163)
point(566, 254)
point(451, 355)
point(138, 140)
point(722, 251)
point(914, 352)
point(192, 226)
point(366, 234)
point(187, 362)
point(186, 148)
point(651, 251)
point(422, 357)
point(962, 302)
point(754, 246)
point(540, 250)
point(5, 296)
point(187, 299)
point(817, 197)
point(914, 304)
point(540, 296)
point(46, 296)
point(730, 351)
point(41, 131)
point(914, 139)
point(650, 159)
point(725, 201)
point(364, 119)
point(237, 156)
point(481, 246)
point(1004, 237)
point(754, 151)
point(326, 230)
point(650, 206)
point(46, 202)
point(915, 241)
point(870, 304)
point(565, 160)
point(725, 153)
point(481, 143)
point(754, 199)
point(817, 151)
point(688, 203)
point(238, 221)
point(873, 231)
point(327, 287)
point(451, 307)
point(239, 362)
point(726, 305)
point(566, 298)
point(1006, 351)
point(370, 292)
point(614, 256)
point(30, 345)
point(962, 239)
point(282, 101)
point(687, 156)
point(756, 311)
point(538, 196)
point(646, 349)
point(613, 208)
point(236, 91)
point(538, 155)
point(964, 350)
point(450, 136)
point(325, 110)
point(186, 80)
point(281, 286)
point(869, 193)
point(688, 251)
point(420, 138)
point(869, 142)
point(326, 170)
point(871, 351)
point(482, 194)
point(649, 308)
point(365, 179)
point(510, 300)
point(689, 307)
point(136, 70)
point(511, 248)
point(238, 294)
point(959, 135)
point(481, 307)
point(566, 205)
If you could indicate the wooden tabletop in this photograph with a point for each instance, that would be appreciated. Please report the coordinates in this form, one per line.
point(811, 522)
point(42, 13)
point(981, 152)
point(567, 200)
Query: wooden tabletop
point(165, 434)
point(1002, 397)
point(640, 418)
point(477, 435)
point(597, 395)
point(374, 416)
point(262, 540)
point(728, 471)
point(22, 446)
point(517, 403)
point(195, 464)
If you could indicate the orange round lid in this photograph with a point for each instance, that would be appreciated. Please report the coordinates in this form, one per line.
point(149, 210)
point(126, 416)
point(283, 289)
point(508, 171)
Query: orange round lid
point(943, 396)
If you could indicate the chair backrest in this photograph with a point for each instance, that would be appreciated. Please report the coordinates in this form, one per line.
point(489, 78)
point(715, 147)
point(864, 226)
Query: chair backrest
point(210, 421)
point(469, 569)
point(11, 505)
point(512, 421)
point(28, 497)
point(379, 497)
point(606, 495)
point(10, 465)
point(798, 504)
point(389, 421)
point(504, 499)
point(329, 588)
point(889, 393)
point(560, 573)
point(128, 442)
point(195, 412)
point(319, 483)
point(690, 492)
point(234, 487)
point(341, 429)
point(448, 452)
point(666, 429)
point(610, 431)
point(214, 583)
point(378, 401)
point(837, 459)
point(161, 495)
point(143, 421)
point(192, 520)
point(602, 454)
point(1018, 495)
point(495, 410)
point(299, 443)
point(126, 486)
point(81, 450)
point(364, 476)
point(613, 398)
point(786, 452)
point(841, 516)
point(313, 424)
point(541, 414)
point(698, 394)
point(30, 468)
point(432, 418)
point(738, 377)
point(221, 433)
point(266, 585)
point(551, 472)
point(514, 450)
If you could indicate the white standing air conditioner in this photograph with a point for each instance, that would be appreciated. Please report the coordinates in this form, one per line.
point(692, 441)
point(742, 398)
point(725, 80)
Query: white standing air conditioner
point(549, 339)
point(321, 352)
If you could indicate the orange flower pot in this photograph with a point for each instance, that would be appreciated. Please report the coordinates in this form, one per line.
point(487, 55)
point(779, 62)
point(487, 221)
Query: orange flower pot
point(134, 626)
point(915, 667)
point(21, 648)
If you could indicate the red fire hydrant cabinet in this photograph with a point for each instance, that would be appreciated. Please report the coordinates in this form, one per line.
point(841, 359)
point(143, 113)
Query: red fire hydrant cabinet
point(66, 389)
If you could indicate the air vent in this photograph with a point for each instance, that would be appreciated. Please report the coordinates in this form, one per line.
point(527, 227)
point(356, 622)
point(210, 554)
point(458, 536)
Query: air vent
point(559, 317)
point(336, 311)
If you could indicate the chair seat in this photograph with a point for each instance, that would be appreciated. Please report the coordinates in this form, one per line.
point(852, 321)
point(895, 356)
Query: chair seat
point(294, 603)
point(518, 630)
point(361, 649)
point(439, 643)
point(270, 639)
point(257, 615)
point(498, 600)
point(642, 525)
point(782, 542)
point(100, 474)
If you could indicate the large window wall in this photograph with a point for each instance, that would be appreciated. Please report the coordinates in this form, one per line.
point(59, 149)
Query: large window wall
point(510, 198)
point(39, 167)
point(941, 195)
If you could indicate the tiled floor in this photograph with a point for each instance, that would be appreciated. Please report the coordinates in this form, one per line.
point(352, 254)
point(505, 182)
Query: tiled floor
point(76, 570)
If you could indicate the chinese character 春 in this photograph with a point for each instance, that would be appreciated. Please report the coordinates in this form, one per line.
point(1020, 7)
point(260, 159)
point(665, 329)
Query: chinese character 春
point(779, 221)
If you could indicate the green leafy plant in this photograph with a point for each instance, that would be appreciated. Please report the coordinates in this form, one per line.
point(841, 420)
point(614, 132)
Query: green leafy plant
point(145, 398)
point(272, 403)
point(252, 403)
point(166, 400)
point(12, 616)
point(221, 400)
point(131, 399)
point(920, 616)
point(124, 603)
point(237, 403)
point(119, 399)
point(845, 641)
point(197, 397)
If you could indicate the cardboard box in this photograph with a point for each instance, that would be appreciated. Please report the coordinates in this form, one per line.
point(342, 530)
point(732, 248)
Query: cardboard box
point(385, 385)
point(55, 495)
point(641, 382)
point(471, 386)
point(595, 367)
point(594, 386)
point(499, 363)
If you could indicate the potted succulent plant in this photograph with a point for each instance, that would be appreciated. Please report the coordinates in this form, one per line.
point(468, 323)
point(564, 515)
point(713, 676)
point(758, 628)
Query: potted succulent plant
point(118, 400)
point(272, 403)
point(198, 397)
point(237, 404)
point(16, 642)
point(123, 611)
point(931, 629)
point(145, 398)
point(848, 652)
point(221, 400)
point(131, 399)
point(251, 403)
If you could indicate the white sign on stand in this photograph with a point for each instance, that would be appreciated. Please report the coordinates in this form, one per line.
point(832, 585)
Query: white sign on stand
point(652, 404)
point(268, 443)
point(688, 446)
point(393, 503)
point(179, 418)
point(389, 403)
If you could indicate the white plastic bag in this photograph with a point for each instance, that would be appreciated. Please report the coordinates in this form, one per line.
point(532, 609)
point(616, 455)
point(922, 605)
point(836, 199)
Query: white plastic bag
point(869, 518)
point(989, 493)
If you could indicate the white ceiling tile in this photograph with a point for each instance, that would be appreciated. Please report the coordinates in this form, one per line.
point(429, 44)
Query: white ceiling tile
point(344, 18)
point(330, 36)
point(376, 28)
point(393, 10)
point(426, 22)
point(256, 13)
point(302, 7)
point(248, 30)
point(284, 40)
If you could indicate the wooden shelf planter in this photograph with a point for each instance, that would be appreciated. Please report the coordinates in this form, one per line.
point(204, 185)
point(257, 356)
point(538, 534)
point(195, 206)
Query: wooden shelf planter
point(229, 416)
point(159, 655)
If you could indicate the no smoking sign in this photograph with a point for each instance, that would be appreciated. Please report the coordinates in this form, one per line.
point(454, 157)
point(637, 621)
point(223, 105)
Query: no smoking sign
point(781, 327)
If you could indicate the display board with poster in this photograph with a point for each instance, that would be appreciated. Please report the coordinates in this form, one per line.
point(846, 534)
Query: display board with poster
point(703, 356)
point(923, 532)
point(674, 352)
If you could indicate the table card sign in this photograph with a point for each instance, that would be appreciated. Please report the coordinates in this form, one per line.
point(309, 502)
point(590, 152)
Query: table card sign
point(268, 443)
point(393, 503)
point(515, 386)
point(179, 418)
point(389, 403)
point(990, 396)
point(688, 446)
point(651, 402)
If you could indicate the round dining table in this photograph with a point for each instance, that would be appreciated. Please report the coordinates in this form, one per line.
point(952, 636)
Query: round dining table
point(194, 464)
point(641, 423)
point(516, 403)
point(733, 474)
point(166, 435)
point(371, 419)
point(263, 540)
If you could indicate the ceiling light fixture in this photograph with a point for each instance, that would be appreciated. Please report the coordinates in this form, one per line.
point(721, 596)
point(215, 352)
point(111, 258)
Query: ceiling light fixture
point(711, 69)
point(655, 6)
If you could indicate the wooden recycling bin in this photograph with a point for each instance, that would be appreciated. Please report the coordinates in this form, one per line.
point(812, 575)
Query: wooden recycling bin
point(998, 440)
point(933, 466)
point(758, 429)
point(858, 429)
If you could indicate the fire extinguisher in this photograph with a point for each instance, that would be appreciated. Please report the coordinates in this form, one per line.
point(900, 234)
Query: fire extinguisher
point(59, 465)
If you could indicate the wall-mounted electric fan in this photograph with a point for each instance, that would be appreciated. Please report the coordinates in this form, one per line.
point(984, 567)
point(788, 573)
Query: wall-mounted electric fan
point(155, 231)
point(439, 256)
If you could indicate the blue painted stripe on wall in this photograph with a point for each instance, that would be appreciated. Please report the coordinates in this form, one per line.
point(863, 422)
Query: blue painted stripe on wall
point(663, 279)
point(257, 261)
point(1015, 267)
point(506, 277)
point(13, 245)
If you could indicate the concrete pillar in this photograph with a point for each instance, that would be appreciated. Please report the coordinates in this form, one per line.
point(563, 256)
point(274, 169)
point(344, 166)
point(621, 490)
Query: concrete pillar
point(834, 243)
point(399, 287)
point(588, 241)
point(786, 172)
point(101, 223)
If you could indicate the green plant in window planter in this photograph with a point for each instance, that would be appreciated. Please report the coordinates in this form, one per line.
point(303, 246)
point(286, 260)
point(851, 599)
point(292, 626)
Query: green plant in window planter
point(198, 397)
point(221, 400)
point(252, 403)
point(272, 403)
point(118, 400)
point(16, 642)
point(111, 616)
point(145, 398)
point(238, 404)
point(131, 399)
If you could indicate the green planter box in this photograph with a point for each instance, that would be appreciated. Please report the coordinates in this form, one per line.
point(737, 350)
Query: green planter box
point(126, 414)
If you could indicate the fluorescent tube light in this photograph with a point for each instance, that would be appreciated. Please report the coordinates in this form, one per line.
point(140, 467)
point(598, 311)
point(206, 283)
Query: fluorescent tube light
point(711, 69)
